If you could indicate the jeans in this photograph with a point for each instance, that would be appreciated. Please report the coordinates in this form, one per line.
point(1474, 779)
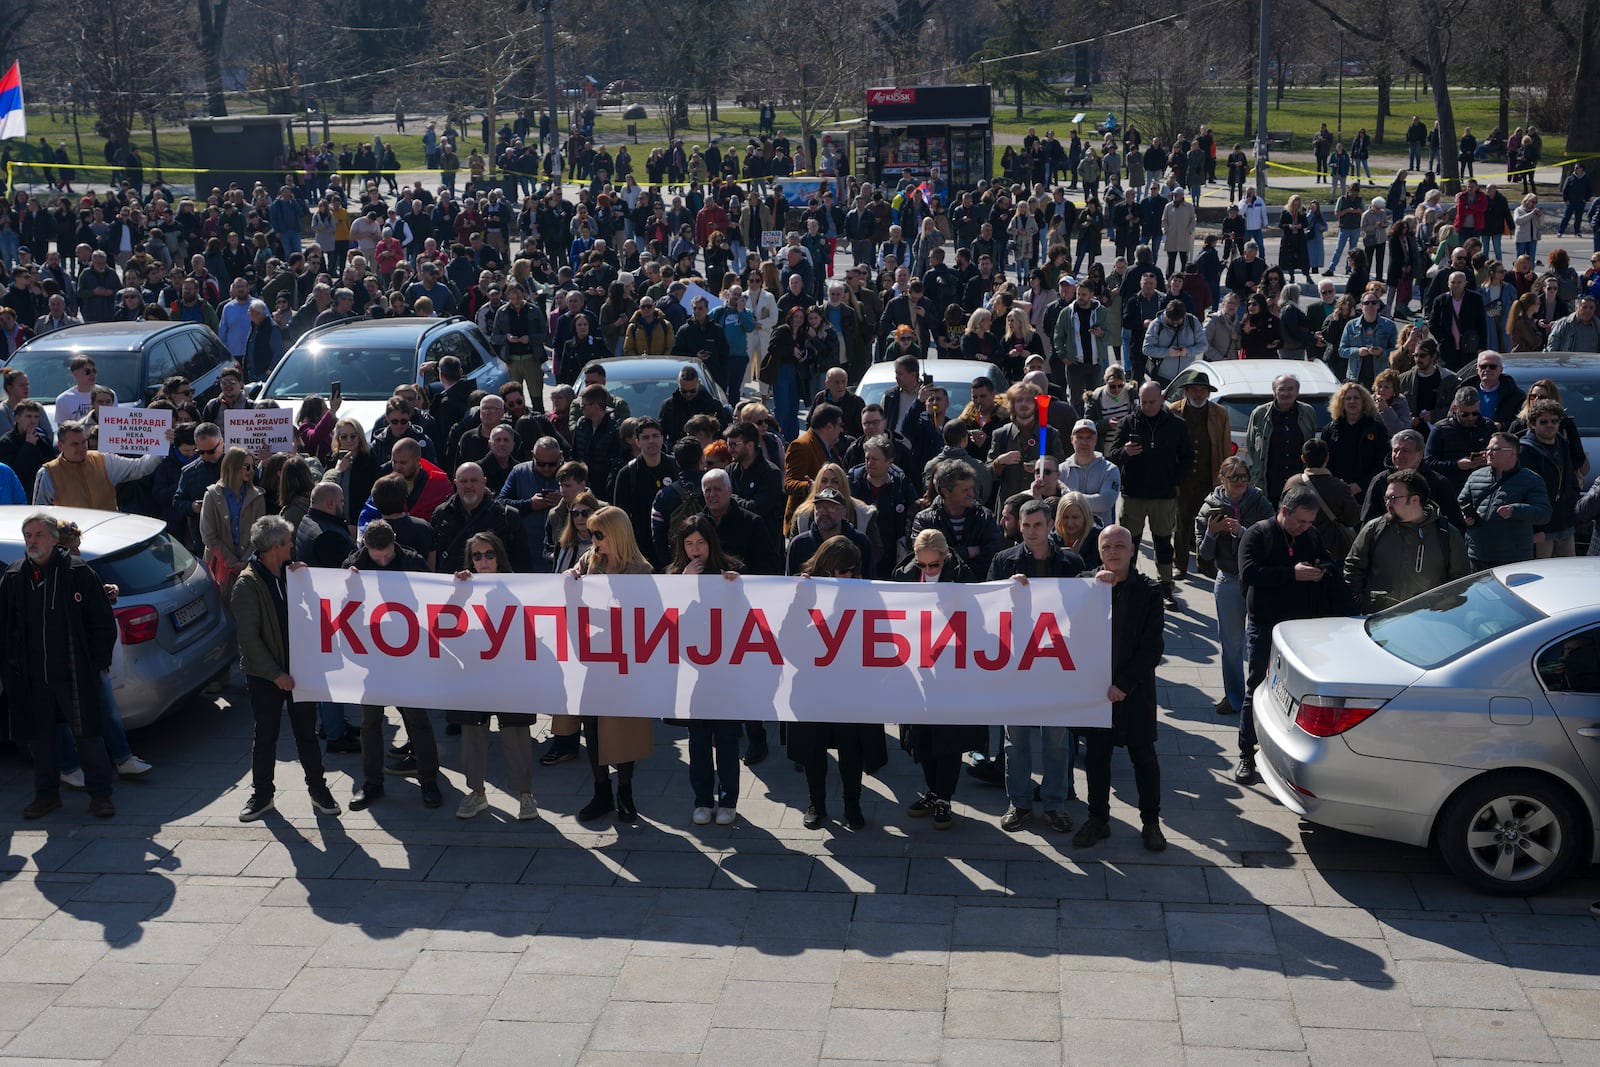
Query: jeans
point(1531, 248)
point(268, 703)
point(1414, 156)
point(1146, 776)
point(10, 241)
point(419, 731)
point(1359, 167)
point(786, 401)
point(334, 724)
point(1155, 247)
point(1259, 237)
point(1350, 239)
point(1494, 243)
point(719, 739)
point(1230, 633)
point(1433, 159)
point(1056, 779)
point(291, 241)
point(1258, 653)
point(1574, 213)
point(111, 732)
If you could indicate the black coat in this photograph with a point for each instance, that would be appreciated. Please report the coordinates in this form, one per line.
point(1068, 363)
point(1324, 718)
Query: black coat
point(72, 588)
point(923, 742)
point(1164, 460)
point(1266, 570)
point(453, 525)
point(1137, 643)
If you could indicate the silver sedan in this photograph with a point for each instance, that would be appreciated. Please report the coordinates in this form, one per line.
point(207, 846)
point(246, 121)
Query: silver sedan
point(1467, 719)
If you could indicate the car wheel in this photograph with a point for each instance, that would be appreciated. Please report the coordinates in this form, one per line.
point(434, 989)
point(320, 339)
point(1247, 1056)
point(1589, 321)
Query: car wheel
point(1510, 834)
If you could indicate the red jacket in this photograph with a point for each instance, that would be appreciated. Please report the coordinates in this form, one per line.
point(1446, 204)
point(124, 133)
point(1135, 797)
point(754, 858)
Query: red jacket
point(432, 489)
point(1470, 211)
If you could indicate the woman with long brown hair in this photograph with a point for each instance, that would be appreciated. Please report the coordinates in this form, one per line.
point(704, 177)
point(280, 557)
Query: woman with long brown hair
point(786, 354)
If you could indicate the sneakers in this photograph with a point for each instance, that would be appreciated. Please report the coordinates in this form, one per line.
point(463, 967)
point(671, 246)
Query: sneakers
point(1015, 819)
point(72, 779)
point(402, 766)
point(559, 750)
point(1225, 708)
point(923, 805)
point(1093, 831)
point(346, 745)
point(702, 816)
point(815, 816)
point(1154, 839)
point(258, 805)
point(102, 808)
point(942, 819)
point(471, 804)
point(527, 810)
point(39, 807)
point(431, 796)
point(727, 816)
point(1245, 772)
point(133, 767)
point(368, 795)
point(322, 800)
point(1058, 821)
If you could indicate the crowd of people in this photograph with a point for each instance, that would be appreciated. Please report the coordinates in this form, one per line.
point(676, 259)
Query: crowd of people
point(1053, 468)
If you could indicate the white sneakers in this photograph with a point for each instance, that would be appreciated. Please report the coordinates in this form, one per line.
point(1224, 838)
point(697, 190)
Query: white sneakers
point(133, 767)
point(724, 816)
point(72, 779)
point(527, 809)
point(702, 816)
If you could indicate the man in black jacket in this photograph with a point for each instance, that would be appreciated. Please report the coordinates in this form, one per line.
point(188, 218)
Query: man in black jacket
point(757, 481)
point(1548, 454)
point(1456, 446)
point(640, 480)
point(700, 338)
point(1286, 574)
point(323, 537)
point(1456, 321)
point(1155, 452)
point(739, 530)
point(827, 520)
point(691, 398)
point(1137, 620)
point(1405, 454)
point(969, 528)
point(471, 510)
point(381, 552)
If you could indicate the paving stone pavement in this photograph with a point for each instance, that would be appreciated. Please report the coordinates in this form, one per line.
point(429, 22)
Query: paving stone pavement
point(175, 935)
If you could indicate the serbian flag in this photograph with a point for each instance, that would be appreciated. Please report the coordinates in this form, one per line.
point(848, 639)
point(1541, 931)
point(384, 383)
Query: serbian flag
point(12, 121)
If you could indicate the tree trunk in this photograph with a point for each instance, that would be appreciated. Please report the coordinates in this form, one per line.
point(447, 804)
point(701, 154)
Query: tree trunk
point(1583, 129)
point(1018, 90)
point(1385, 89)
point(1439, 77)
point(213, 21)
point(1250, 78)
point(1504, 86)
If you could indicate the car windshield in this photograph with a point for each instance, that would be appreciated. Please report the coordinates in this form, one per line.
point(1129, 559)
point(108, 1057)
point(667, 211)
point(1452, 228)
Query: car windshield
point(960, 392)
point(48, 376)
point(146, 567)
point(1437, 627)
point(644, 396)
point(1582, 401)
point(364, 372)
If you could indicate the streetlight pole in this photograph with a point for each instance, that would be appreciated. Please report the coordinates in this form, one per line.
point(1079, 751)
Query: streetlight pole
point(1340, 135)
point(1261, 93)
point(550, 78)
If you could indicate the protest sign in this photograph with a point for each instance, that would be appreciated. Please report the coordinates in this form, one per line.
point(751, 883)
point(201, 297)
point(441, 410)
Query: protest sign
point(821, 650)
point(258, 428)
point(130, 431)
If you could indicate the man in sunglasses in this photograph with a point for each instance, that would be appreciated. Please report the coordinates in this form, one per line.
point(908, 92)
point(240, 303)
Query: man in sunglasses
point(1456, 446)
point(198, 475)
point(1546, 452)
point(1407, 550)
point(532, 491)
point(231, 398)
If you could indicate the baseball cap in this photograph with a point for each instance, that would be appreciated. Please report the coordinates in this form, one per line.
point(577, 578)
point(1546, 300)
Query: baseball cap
point(1066, 279)
point(1085, 424)
point(832, 496)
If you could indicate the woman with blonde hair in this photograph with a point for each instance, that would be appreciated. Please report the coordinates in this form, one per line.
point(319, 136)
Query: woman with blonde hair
point(228, 510)
point(1358, 444)
point(486, 554)
point(1077, 529)
point(576, 538)
point(979, 340)
point(1021, 340)
point(354, 466)
point(613, 740)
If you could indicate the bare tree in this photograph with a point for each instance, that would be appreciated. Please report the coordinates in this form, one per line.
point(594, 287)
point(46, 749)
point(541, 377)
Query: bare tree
point(118, 57)
point(490, 48)
point(814, 73)
point(213, 18)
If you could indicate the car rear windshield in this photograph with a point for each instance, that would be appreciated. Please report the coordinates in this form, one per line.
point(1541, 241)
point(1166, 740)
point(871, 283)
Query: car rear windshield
point(48, 376)
point(146, 567)
point(1240, 407)
point(364, 372)
point(1439, 626)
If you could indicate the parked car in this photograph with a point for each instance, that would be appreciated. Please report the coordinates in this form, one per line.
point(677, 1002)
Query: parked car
point(370, 358)
point(645, 382)
point(133, 358)
point(954, 375)
point(176, 638)
point(1466, 719)
point(1577, 375)
point(1245, 384)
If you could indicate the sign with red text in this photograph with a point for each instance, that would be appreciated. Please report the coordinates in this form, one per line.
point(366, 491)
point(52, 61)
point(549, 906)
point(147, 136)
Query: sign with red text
point(129, 431)
point(259, 429)
point(823, 650)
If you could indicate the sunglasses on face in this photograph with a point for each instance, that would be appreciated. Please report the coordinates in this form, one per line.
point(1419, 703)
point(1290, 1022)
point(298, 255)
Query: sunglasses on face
point(932, 566)
point(399, 422)
point(582, 513)
point(487, 554)
point(597, 535)
point(1238, 479)
point(1548, 422)
point(209, 451)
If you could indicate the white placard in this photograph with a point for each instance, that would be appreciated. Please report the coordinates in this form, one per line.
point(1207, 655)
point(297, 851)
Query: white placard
point(781, 649)
point(771, 238)
point(692, 292)
point(259, 428)
point(130, 431)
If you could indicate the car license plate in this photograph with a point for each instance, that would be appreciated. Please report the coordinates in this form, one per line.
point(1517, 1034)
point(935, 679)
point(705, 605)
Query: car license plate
point(189, 613)
point(1275, 683)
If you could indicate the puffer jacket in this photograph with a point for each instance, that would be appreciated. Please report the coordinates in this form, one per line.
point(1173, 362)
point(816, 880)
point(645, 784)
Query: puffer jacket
point(1223, 548)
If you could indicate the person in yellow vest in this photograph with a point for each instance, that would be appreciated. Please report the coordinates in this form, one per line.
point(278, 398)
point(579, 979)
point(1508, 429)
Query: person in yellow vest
point(83, 478)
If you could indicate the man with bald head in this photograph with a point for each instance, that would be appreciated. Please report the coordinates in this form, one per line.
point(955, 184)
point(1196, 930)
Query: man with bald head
point(1137, 618)
point(472, 510)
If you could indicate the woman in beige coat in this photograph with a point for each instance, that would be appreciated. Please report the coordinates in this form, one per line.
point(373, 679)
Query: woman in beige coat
point(228, 510)
point(613, 740)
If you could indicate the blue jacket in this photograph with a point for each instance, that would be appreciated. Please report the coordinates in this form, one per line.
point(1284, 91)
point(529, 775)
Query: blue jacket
point(1358, 334)
point(11, 487)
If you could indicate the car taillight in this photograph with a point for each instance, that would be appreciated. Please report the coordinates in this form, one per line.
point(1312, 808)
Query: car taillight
point(1322, 716)
point(1233, 448)
point(138, 625)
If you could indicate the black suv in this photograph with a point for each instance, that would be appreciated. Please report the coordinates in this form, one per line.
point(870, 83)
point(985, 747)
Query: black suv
point(133, 358)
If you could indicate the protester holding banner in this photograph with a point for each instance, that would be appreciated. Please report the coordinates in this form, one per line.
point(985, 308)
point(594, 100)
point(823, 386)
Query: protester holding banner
point(613, 740)
point(486, 554)
point(1137, 643)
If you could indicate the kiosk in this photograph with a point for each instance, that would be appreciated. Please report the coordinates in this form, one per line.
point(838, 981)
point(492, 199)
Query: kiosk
point(912, 130)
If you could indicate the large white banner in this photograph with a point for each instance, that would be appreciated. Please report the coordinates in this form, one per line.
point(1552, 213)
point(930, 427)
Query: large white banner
point(822, 650)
